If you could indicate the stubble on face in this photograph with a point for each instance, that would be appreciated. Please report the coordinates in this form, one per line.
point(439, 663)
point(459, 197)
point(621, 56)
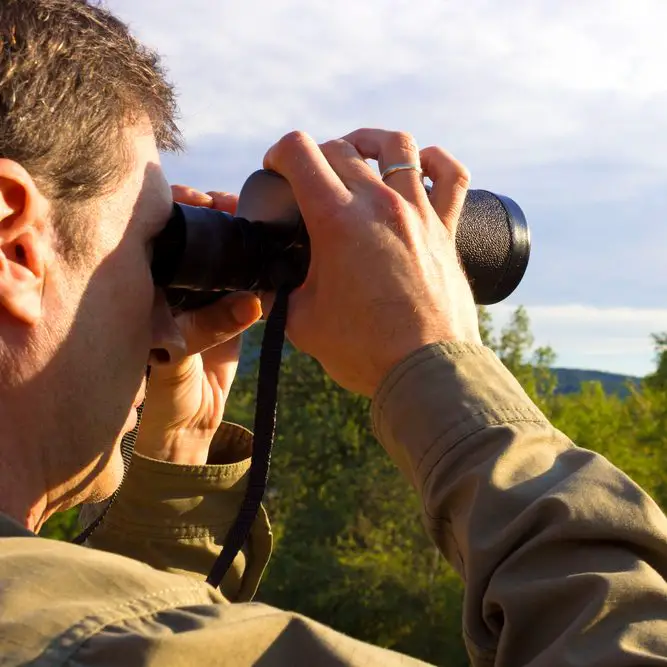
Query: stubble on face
point(102, 359)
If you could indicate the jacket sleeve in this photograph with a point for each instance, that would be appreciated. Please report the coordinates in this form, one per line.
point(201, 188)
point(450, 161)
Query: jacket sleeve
point(564, 558)
point(176, 517)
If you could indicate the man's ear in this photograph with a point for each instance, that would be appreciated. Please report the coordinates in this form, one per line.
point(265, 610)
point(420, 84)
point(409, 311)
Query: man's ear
point(23, 244)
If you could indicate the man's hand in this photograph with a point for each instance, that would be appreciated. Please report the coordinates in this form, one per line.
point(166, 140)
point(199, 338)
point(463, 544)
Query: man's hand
point(186, 400)
point(384, 278)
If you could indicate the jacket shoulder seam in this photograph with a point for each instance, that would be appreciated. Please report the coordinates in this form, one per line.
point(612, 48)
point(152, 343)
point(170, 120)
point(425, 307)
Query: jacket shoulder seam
point(64, 647)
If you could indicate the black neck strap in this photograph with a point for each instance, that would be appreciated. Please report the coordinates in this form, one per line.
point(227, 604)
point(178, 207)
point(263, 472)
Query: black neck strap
point(264, 432)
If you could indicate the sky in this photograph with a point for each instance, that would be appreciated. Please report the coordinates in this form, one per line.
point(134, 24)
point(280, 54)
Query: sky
point(559, 104)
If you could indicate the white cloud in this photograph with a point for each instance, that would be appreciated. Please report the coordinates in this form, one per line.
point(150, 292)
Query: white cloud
point(561, 104)
point(578, 313)
point(612, 339)
point(506, 86)
point(522, 81)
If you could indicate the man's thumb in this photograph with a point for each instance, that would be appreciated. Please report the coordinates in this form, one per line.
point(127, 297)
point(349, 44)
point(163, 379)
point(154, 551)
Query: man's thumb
point(220, 321)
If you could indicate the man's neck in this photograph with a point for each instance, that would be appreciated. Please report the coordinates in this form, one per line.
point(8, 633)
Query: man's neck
point(17, 500)
point(22, 488)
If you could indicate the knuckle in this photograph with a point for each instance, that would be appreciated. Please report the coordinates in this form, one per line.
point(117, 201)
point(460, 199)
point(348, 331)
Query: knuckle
point(405, 141)
point(361, 133)
point(446, 167)
point(294, 141)
point(335, 147)
point(436, 153)
point(462, 174)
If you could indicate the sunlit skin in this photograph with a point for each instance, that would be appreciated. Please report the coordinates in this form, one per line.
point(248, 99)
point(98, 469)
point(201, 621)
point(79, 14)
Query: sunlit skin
point(87, 331)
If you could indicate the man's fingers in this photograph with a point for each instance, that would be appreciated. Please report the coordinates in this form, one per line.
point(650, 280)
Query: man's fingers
point(220, 201)
point(267, 299)
point(450, 184)
point(315, 184)
point(224, 201)
point(346, 161)
point(391, 149)
point(219, 322)
point(183, 194)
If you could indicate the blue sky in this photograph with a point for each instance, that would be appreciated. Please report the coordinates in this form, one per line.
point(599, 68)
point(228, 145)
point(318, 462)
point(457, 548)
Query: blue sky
point(560, 104)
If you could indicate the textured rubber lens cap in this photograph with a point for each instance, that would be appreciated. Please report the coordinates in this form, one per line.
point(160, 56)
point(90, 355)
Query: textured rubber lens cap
point(493, 242)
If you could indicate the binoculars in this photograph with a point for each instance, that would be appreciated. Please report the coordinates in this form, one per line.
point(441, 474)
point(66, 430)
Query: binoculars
point(203, 254)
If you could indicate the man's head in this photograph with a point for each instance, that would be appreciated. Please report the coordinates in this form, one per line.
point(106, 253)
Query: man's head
point(83, 111)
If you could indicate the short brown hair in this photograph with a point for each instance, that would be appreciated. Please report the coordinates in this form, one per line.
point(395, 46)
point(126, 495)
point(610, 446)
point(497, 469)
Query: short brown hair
point(72, 77)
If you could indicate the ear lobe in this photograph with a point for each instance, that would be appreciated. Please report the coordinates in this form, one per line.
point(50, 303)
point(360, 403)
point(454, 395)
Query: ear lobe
point(22, 245)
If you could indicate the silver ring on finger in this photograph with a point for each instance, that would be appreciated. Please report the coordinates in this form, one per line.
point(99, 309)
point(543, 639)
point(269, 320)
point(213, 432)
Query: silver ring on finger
point(392, 169)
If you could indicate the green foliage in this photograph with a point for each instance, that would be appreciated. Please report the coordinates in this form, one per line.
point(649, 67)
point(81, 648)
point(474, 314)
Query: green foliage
point(350, 550)
point(658, 379)
point(63, 526)
point(514, 347)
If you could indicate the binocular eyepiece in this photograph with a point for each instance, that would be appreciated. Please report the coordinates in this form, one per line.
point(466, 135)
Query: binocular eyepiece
point(202, 254)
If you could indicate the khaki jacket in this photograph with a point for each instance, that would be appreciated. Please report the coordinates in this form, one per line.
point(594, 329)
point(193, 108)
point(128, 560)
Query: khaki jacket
point(563, 557)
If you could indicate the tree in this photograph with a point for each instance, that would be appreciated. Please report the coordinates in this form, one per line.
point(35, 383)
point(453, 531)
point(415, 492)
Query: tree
point(658, 379)
point(531, 367)
point(486, 327)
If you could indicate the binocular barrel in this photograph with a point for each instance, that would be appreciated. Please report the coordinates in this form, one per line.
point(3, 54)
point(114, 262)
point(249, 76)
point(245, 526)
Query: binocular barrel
point(203, 253)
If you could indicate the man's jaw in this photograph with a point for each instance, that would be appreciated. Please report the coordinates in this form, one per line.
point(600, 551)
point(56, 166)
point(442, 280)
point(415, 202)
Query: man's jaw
point(141, 394)
point(132, 416)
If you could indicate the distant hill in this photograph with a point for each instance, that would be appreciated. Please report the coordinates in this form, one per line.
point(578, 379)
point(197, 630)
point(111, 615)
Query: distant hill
point(570, 380)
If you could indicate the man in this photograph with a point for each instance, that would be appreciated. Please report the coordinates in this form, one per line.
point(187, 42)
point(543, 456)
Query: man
point(564, 558)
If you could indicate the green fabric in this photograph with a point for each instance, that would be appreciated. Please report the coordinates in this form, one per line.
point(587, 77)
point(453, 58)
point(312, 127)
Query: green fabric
point(176, 517)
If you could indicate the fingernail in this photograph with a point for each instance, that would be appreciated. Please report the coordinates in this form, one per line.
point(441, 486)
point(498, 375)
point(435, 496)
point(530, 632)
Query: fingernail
point(245, 311)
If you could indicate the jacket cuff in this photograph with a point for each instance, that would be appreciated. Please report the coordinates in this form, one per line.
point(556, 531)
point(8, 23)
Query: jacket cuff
point(439, 395)
point(176, 517)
